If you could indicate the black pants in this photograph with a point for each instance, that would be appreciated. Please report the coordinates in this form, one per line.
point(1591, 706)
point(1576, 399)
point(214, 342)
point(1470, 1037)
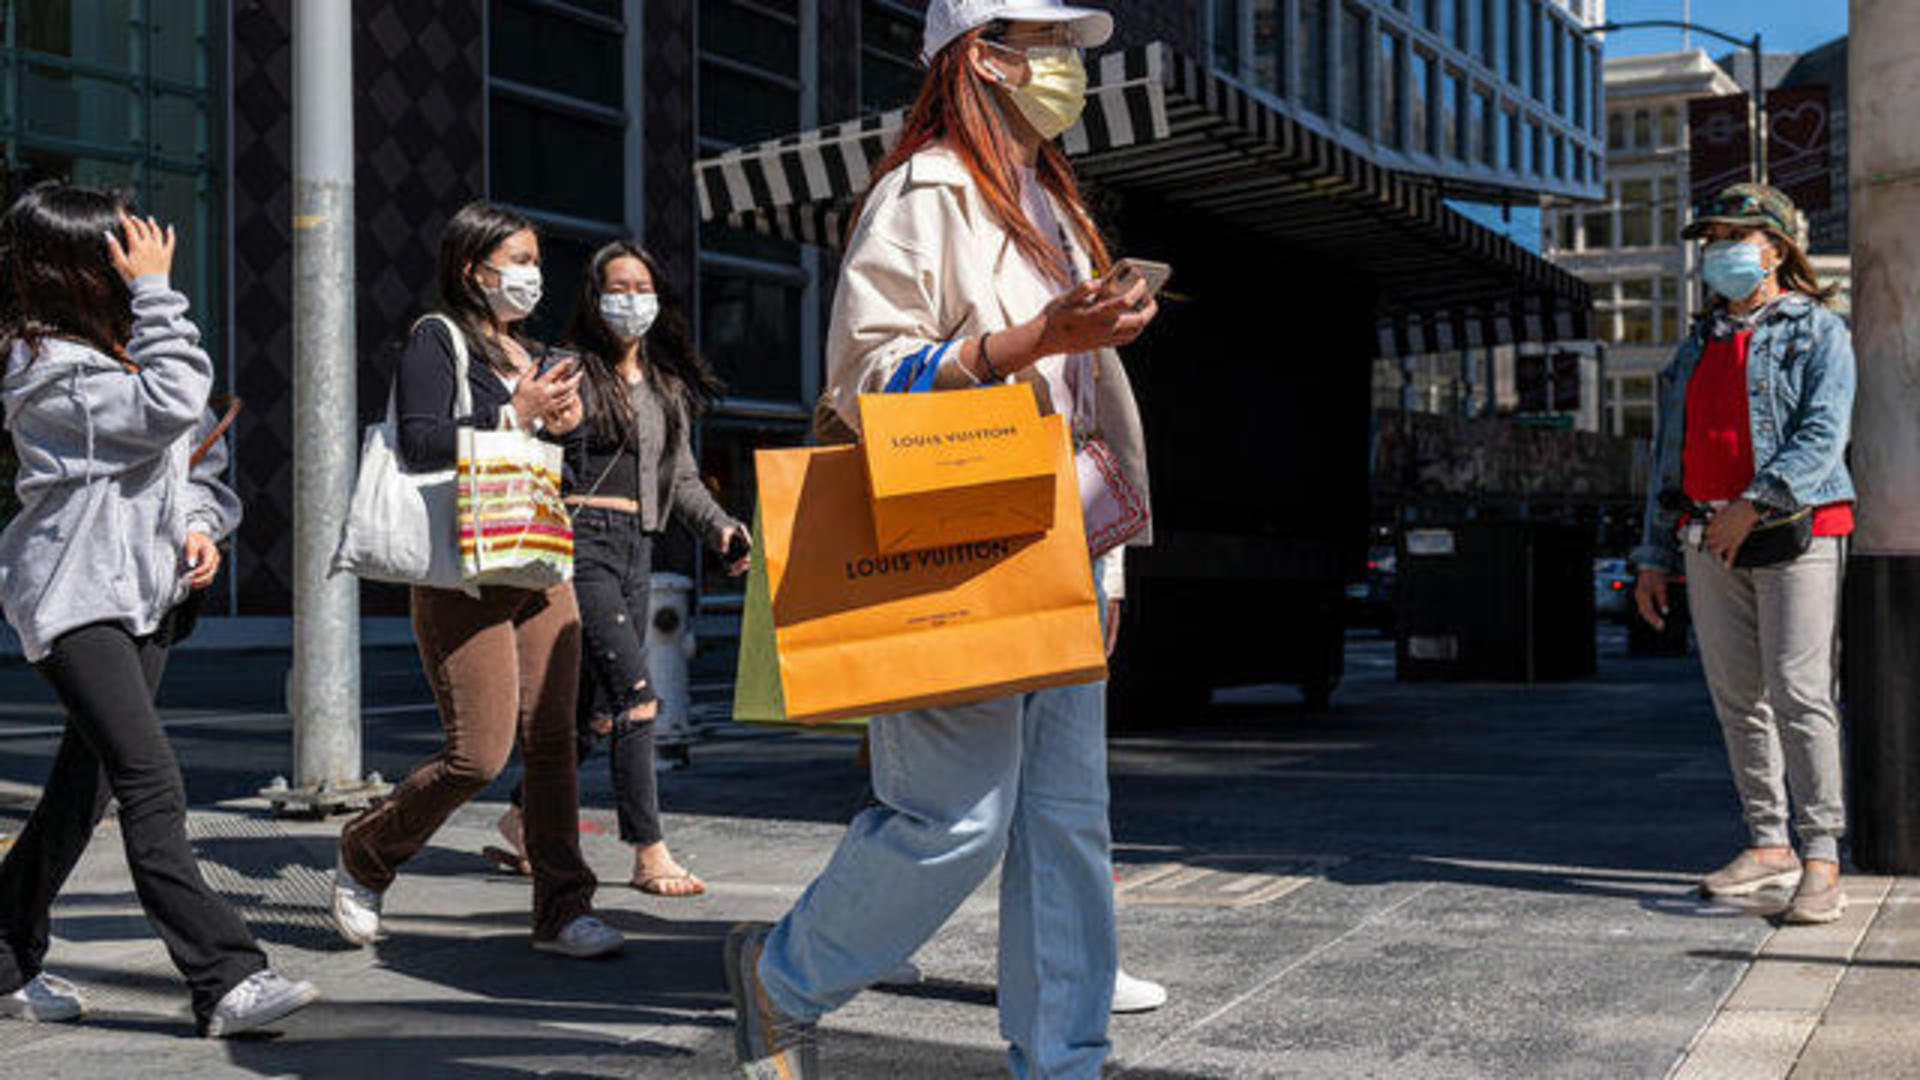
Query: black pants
point(114, 746)
point(612, 562)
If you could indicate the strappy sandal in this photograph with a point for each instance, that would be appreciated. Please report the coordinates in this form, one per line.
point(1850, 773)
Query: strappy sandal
point(507, 862)
point(655, 885)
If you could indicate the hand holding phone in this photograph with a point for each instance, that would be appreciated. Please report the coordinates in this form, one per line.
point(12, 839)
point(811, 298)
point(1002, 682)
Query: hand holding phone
point(1127, 273)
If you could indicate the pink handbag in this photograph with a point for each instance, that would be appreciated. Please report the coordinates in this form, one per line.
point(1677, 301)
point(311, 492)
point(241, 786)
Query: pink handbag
point(1115, 512)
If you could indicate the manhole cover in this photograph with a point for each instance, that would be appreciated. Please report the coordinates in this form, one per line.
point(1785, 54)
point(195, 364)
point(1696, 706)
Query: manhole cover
point(1220, 882)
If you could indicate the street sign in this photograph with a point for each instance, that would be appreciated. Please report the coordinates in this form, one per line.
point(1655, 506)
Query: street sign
point(1799, 150)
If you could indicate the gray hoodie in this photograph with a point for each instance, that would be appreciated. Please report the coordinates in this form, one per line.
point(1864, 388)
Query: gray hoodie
point(106, 490)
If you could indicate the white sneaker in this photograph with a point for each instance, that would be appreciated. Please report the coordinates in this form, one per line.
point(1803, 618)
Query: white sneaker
point(45, 999)
point(907, 974)
point(356, 909)
point(584, 937)
point(264, 997)
point(1131, 995)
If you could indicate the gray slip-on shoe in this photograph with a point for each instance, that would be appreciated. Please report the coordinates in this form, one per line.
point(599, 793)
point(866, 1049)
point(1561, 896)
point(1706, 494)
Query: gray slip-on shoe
point(1748, 874)
point(1817, 901)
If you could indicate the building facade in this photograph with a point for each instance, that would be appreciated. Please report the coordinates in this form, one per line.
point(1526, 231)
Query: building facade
point(1627, 243)
point(1488, 98)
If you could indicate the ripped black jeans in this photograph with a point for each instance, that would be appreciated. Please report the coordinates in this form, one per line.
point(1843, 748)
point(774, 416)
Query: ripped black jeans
point(612, 562)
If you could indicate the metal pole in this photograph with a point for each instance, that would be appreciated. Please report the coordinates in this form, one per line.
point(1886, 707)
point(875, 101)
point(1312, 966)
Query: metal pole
point(1883, 576)
point(1759, 109)
point(323, 688)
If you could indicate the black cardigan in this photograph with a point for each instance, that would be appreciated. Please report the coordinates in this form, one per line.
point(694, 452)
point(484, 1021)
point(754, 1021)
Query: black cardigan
point(423, 397)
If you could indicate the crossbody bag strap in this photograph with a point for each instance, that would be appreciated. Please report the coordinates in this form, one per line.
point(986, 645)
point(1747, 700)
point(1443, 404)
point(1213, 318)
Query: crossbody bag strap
point(232, 413)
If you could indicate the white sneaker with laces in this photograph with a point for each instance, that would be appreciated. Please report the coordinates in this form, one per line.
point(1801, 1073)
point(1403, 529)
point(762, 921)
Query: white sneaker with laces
point(583, 938)
point(356, 909)
point(45, 999)
point(265, 996)
point(1131, 995)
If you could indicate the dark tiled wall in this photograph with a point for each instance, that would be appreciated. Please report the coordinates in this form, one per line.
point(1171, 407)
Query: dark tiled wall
point(673, 217)
point(419, 114)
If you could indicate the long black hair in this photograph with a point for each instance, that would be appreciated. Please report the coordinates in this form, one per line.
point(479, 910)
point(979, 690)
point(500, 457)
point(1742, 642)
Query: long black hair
point(470, 238)
point(667, 356)
point(56, 279)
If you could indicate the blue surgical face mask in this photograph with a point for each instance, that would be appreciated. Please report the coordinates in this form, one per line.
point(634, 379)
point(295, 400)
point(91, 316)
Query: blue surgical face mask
point(1733, 268)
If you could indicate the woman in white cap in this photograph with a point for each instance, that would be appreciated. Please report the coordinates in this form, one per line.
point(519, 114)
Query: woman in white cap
point(974, 238)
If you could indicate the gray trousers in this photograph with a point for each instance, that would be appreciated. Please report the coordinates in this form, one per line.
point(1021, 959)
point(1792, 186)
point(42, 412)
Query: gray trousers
point(1767, 643)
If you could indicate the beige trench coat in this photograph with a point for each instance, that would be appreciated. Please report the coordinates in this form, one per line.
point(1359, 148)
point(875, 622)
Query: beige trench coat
point(929, 262)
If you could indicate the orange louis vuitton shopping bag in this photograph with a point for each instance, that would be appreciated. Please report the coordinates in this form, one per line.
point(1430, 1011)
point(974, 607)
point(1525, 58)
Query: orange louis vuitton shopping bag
point(958, 466)
point(857, 632)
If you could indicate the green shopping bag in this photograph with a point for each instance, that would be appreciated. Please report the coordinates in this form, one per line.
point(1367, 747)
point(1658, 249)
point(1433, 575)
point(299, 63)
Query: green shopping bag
point(757, 697)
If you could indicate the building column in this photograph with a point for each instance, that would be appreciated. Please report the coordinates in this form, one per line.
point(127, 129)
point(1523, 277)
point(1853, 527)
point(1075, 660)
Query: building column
point(1883, 579)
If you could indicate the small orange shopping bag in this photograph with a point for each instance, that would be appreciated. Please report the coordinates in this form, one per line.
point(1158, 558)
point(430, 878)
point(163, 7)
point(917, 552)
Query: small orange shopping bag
point(857, 632)
point(957, 466)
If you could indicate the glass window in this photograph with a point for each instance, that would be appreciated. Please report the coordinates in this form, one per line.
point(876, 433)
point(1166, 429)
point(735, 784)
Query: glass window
point(753, 288)
point(1517, 42)
point(1516, 143)
point(1579, 80)
point(1313, 55)
point(1490, 22)
point(1486, 127)
point(1537, 69)
point(1419, 123)
point(1392, 67)
point(1226, 36)
point(1642, 129)
point(1616, 131)
point(1536, 149)
point(576, 58)
point(1599, 230)
point(1636, 289)
point(1636, 214)
point(889, 56)
point(118, 94)
point(750, 332)
point(1556, 65)
point(1450, 113)
point(1670, 127)
point(1463, 26)
point(1269, 46)
point(1353, 67)
point(1440, 18)
point(1560, 157)
point(559, 104)
point(528, 139)
point(1636, 326)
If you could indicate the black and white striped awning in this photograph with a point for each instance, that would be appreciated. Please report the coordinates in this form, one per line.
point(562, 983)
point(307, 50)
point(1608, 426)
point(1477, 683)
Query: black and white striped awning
point(1159, 122)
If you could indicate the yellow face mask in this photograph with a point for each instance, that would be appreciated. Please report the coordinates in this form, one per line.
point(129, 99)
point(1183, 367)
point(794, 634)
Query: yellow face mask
point(1056, 94)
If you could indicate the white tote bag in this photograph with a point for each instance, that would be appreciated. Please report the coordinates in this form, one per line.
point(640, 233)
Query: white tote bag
point(403, 527)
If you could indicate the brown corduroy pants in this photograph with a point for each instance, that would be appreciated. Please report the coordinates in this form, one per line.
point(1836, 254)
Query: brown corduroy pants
point(505, 663)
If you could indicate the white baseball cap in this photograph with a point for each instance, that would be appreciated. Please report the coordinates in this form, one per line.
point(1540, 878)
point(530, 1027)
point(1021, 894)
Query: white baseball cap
point(1088, 28)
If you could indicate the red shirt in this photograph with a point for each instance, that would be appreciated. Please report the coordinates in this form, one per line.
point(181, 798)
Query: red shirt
point(1716, 463)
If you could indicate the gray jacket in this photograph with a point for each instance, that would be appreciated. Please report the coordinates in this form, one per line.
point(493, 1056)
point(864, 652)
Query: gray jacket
point(670, 482)
point(106, 490)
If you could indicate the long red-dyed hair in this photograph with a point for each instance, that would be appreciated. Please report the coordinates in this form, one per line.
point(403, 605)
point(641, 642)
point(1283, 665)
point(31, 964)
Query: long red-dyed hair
point(957, 107)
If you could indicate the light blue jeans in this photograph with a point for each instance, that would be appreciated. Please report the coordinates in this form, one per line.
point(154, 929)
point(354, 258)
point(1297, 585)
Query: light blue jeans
point(1024, 777)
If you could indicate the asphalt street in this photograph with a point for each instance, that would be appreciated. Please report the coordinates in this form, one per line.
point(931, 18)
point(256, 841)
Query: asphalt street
point(1423, 881)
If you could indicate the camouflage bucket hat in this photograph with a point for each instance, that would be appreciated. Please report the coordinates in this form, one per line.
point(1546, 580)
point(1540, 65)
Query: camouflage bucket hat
point(1753, 205)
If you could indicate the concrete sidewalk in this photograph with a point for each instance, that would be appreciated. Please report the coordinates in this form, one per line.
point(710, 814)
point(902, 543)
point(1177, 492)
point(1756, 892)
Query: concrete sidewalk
point(1425, 882)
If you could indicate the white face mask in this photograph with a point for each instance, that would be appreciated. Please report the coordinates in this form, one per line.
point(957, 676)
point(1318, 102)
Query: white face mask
point(630, 315)
point(516, 293)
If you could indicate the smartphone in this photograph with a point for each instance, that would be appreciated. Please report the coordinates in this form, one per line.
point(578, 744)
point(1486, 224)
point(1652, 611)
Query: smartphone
point(564, 362)
point(1126, 272)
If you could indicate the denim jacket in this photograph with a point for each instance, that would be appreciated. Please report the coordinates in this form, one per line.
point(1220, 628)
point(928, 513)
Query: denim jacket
point(1800, 382)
